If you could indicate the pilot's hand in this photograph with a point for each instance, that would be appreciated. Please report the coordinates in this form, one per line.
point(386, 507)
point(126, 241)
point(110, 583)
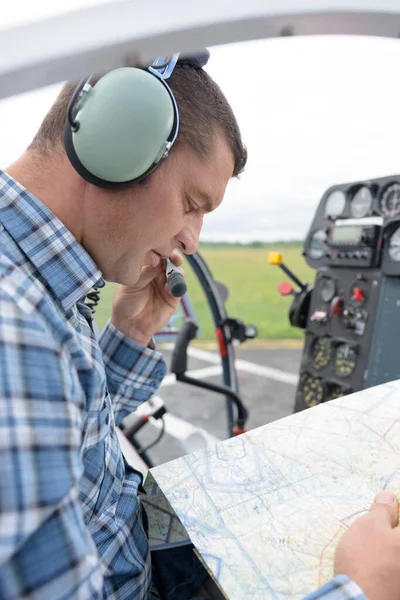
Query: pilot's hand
point(140, 310)
point(369, 551)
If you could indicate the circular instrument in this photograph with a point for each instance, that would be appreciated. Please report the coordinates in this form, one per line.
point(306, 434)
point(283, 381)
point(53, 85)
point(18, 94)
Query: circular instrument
point(345, 360)
point(361, 203)
point(327, 289)
point(336, 391)
point(316, 247)
point(312, 390)
point(335, 204)
point(394, 246)
point(321, 351)
point(389, 202)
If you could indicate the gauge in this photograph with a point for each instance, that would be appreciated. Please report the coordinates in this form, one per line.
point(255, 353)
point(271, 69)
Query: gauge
point(312, 390)
point(328, 289)
point(345, 360)
point(316, 248)
point(390, 200)
point(335, 203)
point(336, 391)
point(321, 351)
point(361, 203)
point(394, 246)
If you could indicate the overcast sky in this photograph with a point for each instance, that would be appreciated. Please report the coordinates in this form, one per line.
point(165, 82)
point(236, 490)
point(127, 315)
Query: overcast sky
point(313, 112)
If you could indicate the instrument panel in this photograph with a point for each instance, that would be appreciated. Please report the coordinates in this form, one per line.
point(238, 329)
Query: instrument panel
point(338, 334)
point(354, 244)
point(342, 355)
point(357, 225)
point(357, 200)
point(314, 390)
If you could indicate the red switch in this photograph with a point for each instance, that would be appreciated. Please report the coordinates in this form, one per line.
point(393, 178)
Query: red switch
point(335, 308)
point(358, 294)
point(285, 288)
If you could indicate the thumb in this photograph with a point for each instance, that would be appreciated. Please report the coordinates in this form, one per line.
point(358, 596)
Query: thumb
point(386, 508)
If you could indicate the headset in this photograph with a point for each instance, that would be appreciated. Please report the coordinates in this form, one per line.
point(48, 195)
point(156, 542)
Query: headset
point(119, 130)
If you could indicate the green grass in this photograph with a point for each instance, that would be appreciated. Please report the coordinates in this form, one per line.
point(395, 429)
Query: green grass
point(252, 283)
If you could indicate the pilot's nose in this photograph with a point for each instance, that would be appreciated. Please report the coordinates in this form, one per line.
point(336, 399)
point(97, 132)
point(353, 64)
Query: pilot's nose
point(188, 238)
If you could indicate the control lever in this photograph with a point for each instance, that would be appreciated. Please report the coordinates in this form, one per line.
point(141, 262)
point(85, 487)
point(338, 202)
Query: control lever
point(276, 258)
point(179, 368)
point(298, 312)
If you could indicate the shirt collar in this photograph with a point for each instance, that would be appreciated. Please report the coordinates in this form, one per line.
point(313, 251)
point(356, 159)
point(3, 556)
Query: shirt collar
point(62, 262)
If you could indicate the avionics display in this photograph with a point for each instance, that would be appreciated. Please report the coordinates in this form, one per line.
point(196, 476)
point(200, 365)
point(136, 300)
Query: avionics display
point(348, 234)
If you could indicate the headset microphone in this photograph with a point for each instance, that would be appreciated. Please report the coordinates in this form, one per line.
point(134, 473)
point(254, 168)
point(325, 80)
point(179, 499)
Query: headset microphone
point(176, 281)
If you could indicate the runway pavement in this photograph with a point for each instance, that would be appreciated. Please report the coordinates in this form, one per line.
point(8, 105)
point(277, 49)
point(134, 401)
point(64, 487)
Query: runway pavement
point(267, 379)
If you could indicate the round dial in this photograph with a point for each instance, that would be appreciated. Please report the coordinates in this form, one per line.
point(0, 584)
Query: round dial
point(335, 203)
point(321, 351)
point(390, 200)
point(345, 360)
point(394, 246)
point(361, 203)
point(312, 390)
point(328, 289)
point(316, 247)
point(336, 391)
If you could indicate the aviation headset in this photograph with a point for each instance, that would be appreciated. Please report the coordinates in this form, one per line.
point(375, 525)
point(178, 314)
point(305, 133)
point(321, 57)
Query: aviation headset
point(119, 130)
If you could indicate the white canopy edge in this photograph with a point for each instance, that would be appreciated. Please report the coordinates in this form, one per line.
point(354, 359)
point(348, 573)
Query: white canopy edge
point(111, 35)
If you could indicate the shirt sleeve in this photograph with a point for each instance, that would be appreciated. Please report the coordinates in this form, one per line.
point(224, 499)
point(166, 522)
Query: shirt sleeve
point(134, 373)
point(46, 550)
point(339, 588)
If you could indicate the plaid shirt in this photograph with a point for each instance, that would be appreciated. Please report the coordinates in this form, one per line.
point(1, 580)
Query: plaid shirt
point(340, 588)
point(70, 517)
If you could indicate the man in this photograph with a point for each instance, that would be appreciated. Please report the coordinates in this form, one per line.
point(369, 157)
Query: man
point(71, 523)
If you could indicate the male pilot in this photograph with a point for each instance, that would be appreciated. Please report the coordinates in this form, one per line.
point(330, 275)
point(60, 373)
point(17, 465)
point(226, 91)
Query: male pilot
point(71, 522)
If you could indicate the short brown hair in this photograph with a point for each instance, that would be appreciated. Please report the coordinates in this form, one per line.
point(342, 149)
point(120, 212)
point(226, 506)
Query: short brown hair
point(203, 111)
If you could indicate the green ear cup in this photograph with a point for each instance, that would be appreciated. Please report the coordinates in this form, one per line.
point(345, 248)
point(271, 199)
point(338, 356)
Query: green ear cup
point(125, 122)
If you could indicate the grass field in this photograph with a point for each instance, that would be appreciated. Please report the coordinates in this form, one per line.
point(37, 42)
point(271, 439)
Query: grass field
point(252, 284)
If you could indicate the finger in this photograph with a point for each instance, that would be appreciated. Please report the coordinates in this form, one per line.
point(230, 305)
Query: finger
point(176, 258)
point(386, 508)
point(147, 274)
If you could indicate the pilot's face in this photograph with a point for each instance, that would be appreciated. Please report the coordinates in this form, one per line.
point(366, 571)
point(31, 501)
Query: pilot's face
point(138, 226)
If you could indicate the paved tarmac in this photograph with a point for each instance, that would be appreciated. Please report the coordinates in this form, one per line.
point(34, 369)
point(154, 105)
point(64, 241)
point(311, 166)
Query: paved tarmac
point(267, 380)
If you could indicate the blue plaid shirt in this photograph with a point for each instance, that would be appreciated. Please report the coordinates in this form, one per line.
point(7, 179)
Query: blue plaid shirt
point(70, 518)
